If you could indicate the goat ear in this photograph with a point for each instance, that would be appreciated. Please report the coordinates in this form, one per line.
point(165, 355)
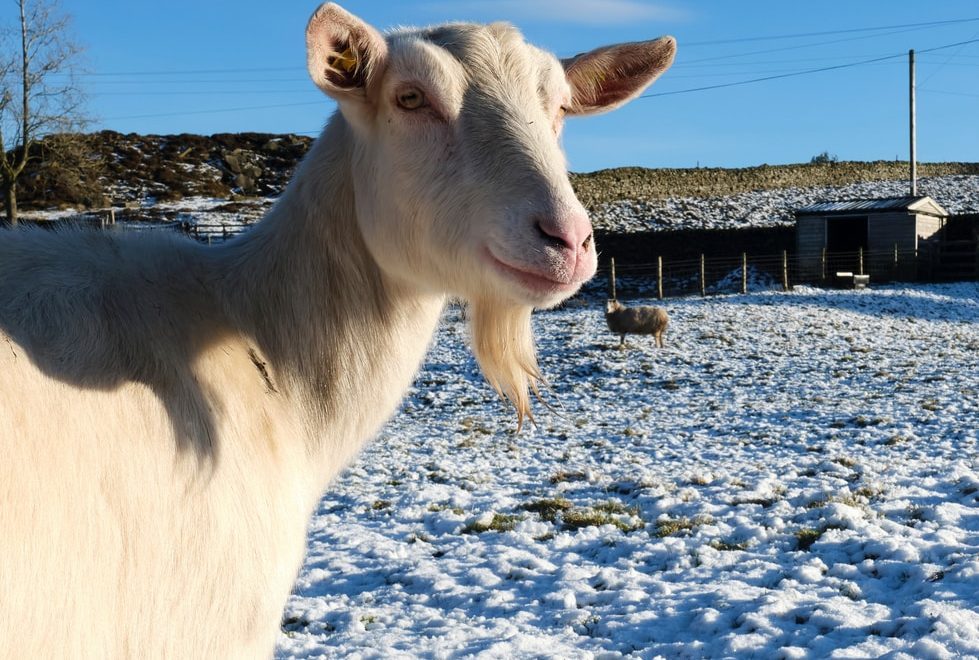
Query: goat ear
point(605, 78)
point(344, 54)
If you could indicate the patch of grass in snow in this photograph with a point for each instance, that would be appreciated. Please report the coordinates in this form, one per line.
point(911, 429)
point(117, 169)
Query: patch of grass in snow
point(474, 426)
point(548, 508)
point(818, 503)
point(719, 337)
point(500, 522)
point(916, 513)
point(673, 526)
point(290, 625)
point(435, 508)
point(701, 479)
point(381, 505)
point(606, 513)
point(807, 536)
point(869, 492)
point(804, 538)
point(614, 507)
point(728, 546)
point(862, 421)
point(563, 476)
point(763, 502)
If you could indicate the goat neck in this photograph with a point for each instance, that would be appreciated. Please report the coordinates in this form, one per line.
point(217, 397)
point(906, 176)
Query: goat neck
point(343, 338)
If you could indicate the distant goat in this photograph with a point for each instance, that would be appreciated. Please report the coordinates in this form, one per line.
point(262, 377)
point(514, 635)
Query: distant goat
point(171, 412)
point(643, 320)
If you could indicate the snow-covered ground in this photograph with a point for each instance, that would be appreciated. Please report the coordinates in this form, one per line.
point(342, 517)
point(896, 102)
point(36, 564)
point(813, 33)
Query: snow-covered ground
point(794, 475)
point(766, 208)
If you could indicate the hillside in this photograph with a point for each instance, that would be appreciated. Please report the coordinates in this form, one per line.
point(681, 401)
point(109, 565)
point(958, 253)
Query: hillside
point(605, 186)
point(131, 168)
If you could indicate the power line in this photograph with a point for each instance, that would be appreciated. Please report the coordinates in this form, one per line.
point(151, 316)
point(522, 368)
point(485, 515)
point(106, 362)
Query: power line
point(803, 73)
point(829, 32)
point(655, 94)
point(187, 71)
point(797, 47)
point(797, 35)
point(942, 91)
point(216, 110)
point(203, 92)
point(943, 64)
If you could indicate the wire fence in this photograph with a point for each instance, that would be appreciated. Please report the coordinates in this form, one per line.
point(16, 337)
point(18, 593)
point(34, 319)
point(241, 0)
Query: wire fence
point(665, 277)
point(211, 231)
point(934, 261)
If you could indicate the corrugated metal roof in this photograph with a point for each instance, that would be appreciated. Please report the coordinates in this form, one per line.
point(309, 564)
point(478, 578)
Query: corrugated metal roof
point(864, 205)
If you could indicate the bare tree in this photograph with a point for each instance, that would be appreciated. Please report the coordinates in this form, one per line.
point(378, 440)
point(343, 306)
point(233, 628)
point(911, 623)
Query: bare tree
point(39, 93)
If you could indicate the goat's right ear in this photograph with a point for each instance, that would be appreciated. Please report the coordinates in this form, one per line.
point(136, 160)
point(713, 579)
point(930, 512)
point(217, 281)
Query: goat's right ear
point(345, 55)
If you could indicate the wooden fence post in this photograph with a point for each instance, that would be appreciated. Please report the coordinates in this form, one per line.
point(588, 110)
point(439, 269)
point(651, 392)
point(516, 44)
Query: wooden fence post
point(822, 275)
point(785, 270)
point(703, 276)
point(744, 272)
point(860, 260)
point(611, 281)
point(659, 277)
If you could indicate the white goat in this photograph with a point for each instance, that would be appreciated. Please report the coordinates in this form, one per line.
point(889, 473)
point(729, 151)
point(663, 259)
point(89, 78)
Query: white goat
point(170, 412)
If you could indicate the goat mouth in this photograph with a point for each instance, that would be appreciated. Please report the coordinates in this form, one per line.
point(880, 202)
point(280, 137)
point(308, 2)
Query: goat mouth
point(533, 280)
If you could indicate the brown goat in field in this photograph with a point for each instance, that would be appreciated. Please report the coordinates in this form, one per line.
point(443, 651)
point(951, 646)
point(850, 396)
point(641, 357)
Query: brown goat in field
point(642, 320)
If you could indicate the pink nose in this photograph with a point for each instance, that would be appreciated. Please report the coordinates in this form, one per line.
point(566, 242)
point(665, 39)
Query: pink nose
point(573, 233)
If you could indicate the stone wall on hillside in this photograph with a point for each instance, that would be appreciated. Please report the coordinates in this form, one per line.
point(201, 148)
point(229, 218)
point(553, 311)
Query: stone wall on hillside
point(597, 188)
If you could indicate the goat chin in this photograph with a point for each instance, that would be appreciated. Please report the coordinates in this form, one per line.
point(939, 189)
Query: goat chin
point(503, 342)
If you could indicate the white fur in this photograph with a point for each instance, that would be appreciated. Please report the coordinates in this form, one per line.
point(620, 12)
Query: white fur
point(170, 413)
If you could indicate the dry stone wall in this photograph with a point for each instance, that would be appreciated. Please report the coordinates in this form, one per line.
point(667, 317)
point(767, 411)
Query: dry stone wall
point(598, 188)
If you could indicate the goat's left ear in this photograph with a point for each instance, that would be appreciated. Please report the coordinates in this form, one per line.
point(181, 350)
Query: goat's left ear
point(605, 78)
point(345, 55)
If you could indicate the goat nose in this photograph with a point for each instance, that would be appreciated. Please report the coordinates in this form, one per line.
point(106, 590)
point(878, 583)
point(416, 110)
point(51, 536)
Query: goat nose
point(554, 236)
point(569, 234)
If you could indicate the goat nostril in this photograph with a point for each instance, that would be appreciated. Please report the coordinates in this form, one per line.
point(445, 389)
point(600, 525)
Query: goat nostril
point(552, 239)
point(587, 243)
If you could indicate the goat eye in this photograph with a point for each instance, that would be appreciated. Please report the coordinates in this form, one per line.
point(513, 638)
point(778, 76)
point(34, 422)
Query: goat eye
point(411, 99)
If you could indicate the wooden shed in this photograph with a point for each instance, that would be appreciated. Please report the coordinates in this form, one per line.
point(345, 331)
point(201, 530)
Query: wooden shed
point(886, 233)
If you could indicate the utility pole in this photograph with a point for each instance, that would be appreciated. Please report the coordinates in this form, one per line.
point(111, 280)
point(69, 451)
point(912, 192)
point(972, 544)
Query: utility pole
point(913, 156)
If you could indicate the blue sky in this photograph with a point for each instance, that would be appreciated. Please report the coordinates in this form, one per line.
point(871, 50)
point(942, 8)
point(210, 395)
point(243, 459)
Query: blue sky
point(210, 66)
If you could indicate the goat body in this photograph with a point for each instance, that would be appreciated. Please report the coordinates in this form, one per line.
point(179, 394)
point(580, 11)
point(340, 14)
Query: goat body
point(642, 320)
point(171, 412)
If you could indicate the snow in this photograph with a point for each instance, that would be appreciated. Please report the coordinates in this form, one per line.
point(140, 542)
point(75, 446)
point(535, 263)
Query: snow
point(794, 475)
point(766, 208)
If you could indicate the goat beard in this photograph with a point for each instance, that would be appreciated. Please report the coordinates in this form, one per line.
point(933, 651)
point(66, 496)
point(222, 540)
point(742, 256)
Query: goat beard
point(503, 342)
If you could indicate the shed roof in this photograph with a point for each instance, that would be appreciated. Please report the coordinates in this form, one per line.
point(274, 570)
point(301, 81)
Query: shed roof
point(914, 204)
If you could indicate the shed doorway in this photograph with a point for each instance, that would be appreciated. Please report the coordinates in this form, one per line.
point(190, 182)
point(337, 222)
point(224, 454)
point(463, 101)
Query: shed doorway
point(845, 237)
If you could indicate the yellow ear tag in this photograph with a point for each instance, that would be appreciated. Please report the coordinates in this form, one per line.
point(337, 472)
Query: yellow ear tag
point(345, 60)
